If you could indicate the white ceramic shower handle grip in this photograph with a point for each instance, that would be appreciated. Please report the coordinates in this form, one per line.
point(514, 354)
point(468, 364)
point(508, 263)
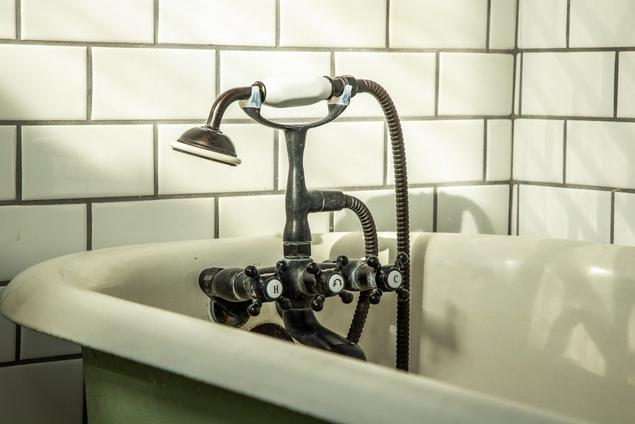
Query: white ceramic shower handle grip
point(290, 92)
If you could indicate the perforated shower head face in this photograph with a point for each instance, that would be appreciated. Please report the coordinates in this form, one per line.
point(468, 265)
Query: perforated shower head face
point(207, 143)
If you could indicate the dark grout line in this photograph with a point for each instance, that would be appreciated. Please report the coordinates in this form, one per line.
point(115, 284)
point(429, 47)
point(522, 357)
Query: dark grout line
point(612, 225)
point(32, 122)
point(578, 118)
point(573, 186)
point(18, 20)
point(84, 404)
point(18, 162)
point(520, 85)
point(120, 199)
point(277, 40)
point(484, 150)
point(436, 83)
point(575, 49)
point(517, 73)
point(385, 167)
point(225, 47)
point(518, 210)
point(489, 24)
point(41, 360)
point(509, 209)
point(89, 83)
point(435, 208)
point(18, 344)
point(155, 159)
point(564, 151)
point(89, 226)
point(276, 158)
point(513, 120)
point(332, 64)
point(247, 120)
point(517, 17)
point(511, 153)
point(514, 94)
point(568, 28)
point(216, 218)
point(155, 22)
point(216, 74)
point(616, 74)
point(387, 30)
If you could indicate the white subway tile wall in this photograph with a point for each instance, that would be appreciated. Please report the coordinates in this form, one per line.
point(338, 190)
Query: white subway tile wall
point(499, 150)
point(601, 153)
point(7, 19)
point(602, 23)
point(88, 20)
point(343, 154)
point(152, 83)
point(42, 82)
point(438, 24)
point(443, 151)
point(538, 150)
point(382, 206)
point(121, 223)
point(77, 161)
point(568, 84)
point(7, 161)
point(542, 23)
point(473, 209)
point(626, 85)
point(227, 22)
point(31, 234)
point(179, 173)
point(260, 215)
point(475, 84)
point(333, 23)
point(624, 218)
point(502, 27)
point(569, 213)
point(399, 73)
point(92, 93)
point(575, 127)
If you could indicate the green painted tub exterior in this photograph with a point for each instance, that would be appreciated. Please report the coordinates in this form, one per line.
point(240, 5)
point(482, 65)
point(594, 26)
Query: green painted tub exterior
point(123, 391)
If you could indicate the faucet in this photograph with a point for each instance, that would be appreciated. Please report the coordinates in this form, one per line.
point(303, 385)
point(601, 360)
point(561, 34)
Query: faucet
point(297, 284)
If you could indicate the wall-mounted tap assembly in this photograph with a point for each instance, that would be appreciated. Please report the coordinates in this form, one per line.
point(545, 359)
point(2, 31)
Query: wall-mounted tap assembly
point(298, 285)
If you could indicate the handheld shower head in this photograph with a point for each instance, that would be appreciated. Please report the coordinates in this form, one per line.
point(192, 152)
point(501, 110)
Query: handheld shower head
point(207, 143)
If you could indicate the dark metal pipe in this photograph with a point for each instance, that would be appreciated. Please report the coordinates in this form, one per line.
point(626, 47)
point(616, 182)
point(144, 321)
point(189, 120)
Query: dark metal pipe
point(371, 248)
point(299, 201)
point(222, 103)
point(403, 223)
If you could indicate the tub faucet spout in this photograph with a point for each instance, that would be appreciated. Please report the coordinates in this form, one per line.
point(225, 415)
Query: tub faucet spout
point(304, 327)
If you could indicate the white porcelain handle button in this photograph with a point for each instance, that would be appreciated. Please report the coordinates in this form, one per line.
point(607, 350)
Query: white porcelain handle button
point(290, 92)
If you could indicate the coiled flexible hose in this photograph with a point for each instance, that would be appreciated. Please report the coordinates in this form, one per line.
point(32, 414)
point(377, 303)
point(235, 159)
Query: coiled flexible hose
point(403, 222)
point(371, 247)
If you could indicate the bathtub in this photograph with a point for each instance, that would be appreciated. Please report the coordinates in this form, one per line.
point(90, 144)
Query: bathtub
point(503, 330)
